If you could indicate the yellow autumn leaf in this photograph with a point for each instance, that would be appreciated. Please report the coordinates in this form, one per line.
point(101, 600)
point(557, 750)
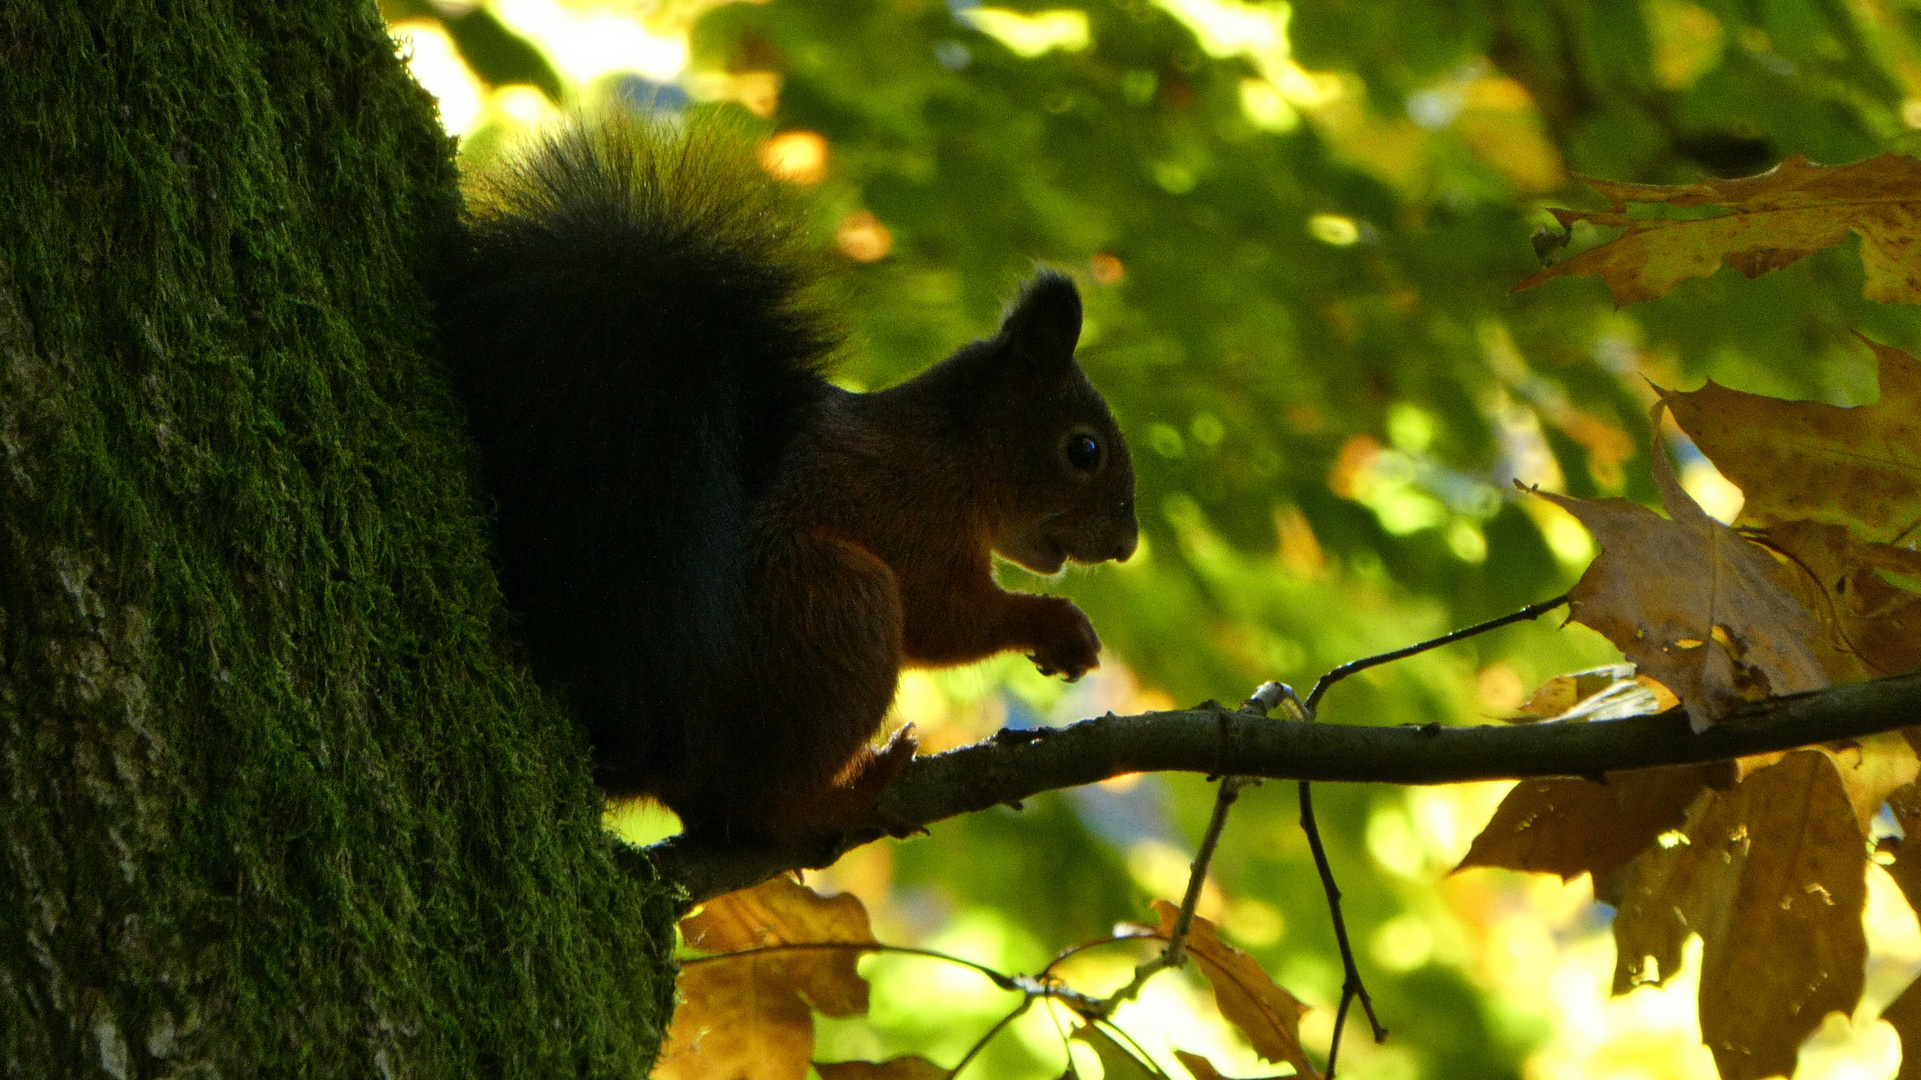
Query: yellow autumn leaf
point(1708, 614)
point(1771, 873)
point(1610, 692)
point(1116, 1062)
point(1575, 827)
point(1771, 220)
point(1269, 1016)
point(1904, 1013)
point(1852, 587)
point(1806, 460)
point(747, 1017)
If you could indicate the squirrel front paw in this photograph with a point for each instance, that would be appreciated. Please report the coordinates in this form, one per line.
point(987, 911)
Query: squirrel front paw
point(1065, 643)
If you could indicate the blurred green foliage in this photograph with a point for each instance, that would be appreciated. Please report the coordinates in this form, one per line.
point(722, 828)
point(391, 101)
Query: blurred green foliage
point(1297, 258)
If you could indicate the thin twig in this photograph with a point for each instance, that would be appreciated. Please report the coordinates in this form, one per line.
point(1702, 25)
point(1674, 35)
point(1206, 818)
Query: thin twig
point(1352, 987)
point(1005, 982)
point(1265, 698)
point(1531, 611)
point(972, 1051)
point(1083, 946)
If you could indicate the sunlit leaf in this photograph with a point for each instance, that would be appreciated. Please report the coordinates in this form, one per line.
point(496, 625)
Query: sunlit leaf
point(748, 1017)
point(1200, 1067)
point(1779, 217)
point(1904, 1013)
point(1796, 460)
point(1572, 827)
point(1771, 874)
point(1707, 613)
point(737, 1020)
point(785, 912)
point(1855, 589)
point(1871, 769)
point(1269, 1016)
point(1204, 1069)
point(1117, 1063)
point(1611, 692)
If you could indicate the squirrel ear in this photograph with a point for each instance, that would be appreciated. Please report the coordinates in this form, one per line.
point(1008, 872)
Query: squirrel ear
point(1045, 322)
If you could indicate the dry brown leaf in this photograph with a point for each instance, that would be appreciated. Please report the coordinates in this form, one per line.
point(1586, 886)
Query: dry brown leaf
point(911, 1067)
point(1872, 769)
point(1796, 460)
point(747, 1017)
point(1708, 614)
point(1846, 583)
point(1610, 692)
point(1574, 827)
point(1269, 1016)
point(1204, 1069)
point(785, 912)
point(1774, 219)
point(1772, 875)
point(737, 1021)
point(1200, 1067)
point(1904, 1013)
point(1116, 1061)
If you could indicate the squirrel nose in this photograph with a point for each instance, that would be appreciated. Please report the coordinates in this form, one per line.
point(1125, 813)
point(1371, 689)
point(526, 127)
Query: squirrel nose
point(1125, 549)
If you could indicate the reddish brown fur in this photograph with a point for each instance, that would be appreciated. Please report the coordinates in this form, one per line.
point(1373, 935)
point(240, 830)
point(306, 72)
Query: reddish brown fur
point(877, 550)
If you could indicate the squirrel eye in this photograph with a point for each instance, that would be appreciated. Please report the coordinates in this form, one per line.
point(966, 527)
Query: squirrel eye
point(1083, 451)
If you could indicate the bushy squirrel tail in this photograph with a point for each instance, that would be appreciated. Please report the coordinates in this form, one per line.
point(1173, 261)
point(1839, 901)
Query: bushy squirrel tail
point(632, 313)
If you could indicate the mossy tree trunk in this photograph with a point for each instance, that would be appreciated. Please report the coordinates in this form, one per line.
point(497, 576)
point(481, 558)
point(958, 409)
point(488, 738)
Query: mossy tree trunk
point(272, 799)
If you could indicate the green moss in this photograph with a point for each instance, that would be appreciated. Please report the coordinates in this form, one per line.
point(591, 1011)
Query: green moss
point(273, 797)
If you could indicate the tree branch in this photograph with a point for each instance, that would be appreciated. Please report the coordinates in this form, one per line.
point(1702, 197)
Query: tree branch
point(1015, 765)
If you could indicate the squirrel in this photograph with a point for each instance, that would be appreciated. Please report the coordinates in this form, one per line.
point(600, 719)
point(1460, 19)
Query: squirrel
point(718, 560)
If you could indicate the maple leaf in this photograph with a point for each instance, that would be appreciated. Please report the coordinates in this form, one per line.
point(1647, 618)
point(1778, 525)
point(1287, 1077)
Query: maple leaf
point(1771, 874)
point(1269, 1016)
point(1771, 220)
point(1693, 604)
point(1851, 586)
point(748, 1017)
point(1859, 467)
point(1575, 827)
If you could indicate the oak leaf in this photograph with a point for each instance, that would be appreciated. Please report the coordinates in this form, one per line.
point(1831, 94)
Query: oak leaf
point(1269, 1016)
point(1771, 220)
point(1772, 874)
point(1703, 611)
point(1807, 460)
point(747, 1017)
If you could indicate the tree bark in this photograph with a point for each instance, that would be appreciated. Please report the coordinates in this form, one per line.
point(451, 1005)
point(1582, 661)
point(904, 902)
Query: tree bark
point(273, 800)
